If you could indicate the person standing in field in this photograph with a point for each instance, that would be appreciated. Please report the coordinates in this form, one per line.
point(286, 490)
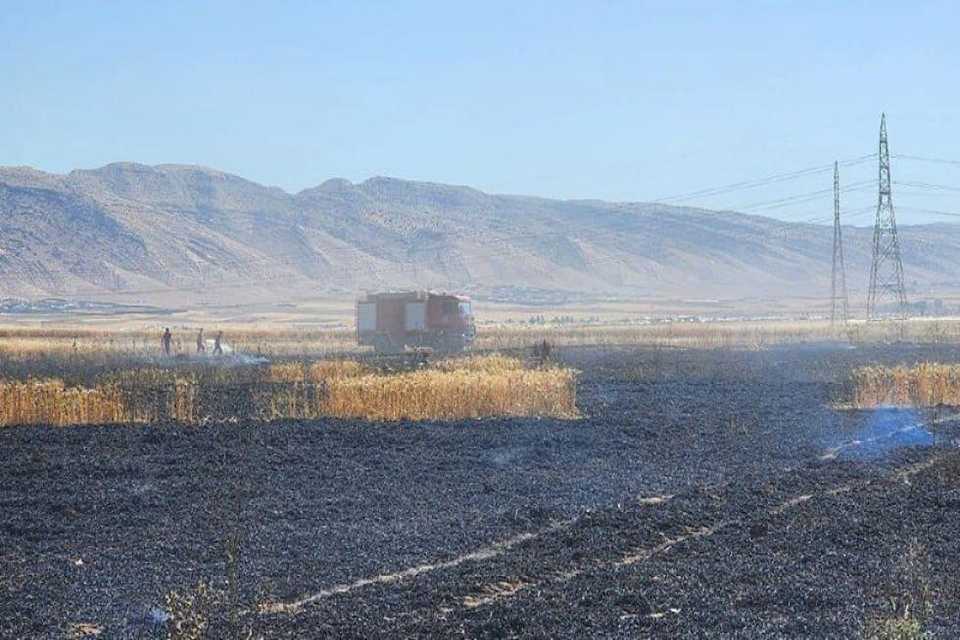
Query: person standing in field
point(166, 341)
point(217, 349)
point(201, 346)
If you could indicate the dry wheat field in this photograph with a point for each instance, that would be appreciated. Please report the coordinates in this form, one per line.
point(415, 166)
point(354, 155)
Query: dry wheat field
point(82, 375)
point(449, 389)
point(280, 339)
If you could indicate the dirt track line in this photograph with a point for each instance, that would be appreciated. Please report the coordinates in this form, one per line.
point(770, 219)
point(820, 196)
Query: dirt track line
point(705, 532)
point(920, 467)
point(491, 593)
point(644, 554)
point(506, 589)
point(651, 500)
point(484, 553)
point(630, 558)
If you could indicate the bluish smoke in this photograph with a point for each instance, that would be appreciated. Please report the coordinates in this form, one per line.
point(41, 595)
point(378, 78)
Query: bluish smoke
point(886, 429)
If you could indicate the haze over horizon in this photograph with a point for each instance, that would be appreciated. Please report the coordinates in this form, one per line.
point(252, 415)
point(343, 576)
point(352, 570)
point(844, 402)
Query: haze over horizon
point(618, 102)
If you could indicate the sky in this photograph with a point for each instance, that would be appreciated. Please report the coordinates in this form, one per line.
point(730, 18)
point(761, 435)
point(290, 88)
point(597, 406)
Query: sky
point(628, 101)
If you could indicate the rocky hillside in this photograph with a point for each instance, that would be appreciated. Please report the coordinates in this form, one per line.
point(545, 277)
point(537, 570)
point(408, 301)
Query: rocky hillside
point(145, 232)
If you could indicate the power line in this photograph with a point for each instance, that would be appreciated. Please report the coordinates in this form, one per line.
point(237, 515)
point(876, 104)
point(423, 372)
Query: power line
point(751, 184)
point(612, 230)
point(798, 198)
point(819, 221)
point(935, 212)
point(927, 185)
point(855, 213)
point(931, 160)
point(635, 223)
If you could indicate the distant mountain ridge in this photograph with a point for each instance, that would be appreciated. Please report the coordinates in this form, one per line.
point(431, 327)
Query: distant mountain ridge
point(142, 231)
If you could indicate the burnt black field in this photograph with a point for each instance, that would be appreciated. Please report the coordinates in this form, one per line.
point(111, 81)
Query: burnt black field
point(704, 494)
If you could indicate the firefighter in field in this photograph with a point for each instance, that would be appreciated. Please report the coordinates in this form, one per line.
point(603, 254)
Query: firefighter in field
point(166, 342)
point(201, 345)
point(541, 351)
point(217, 349)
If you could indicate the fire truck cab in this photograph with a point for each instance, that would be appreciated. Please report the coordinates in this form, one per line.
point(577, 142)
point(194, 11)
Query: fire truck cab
point(394, 322)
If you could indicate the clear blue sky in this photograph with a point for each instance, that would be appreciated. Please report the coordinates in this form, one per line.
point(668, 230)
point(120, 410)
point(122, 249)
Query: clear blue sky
point(614, 100)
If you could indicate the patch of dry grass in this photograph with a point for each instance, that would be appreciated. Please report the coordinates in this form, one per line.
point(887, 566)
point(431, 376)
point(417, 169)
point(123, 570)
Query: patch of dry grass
point(463, 388)
point(315, 371)
point(910, 596)
point(893, 628)
point(143, 340)
point(27, 343)
point(435, 394)
point(928, 384)
point(51, 402)
point(492, 363)
point(717, 334)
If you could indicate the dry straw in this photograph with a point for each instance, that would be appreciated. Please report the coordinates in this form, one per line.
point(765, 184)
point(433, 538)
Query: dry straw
point(83, 343)
point(454, 395)
point(51, 402)
point(456, 389)
point(924, 385)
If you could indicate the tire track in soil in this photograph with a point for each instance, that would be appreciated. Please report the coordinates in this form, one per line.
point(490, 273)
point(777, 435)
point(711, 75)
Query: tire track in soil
point(484, 553)
point(493, 593)
point(507, 588)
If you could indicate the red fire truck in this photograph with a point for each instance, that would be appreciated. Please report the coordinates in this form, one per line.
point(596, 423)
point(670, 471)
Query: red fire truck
point(393, 322)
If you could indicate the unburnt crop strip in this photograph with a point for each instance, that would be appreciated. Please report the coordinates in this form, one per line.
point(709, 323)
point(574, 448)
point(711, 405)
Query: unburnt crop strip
point(467, 388)
point(927, 384)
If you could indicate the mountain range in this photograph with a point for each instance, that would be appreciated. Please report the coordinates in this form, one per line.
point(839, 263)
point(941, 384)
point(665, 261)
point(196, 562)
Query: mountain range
point(149, 232)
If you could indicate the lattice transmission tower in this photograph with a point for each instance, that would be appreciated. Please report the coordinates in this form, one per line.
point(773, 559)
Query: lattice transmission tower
point(886, 270)
point(839, 305)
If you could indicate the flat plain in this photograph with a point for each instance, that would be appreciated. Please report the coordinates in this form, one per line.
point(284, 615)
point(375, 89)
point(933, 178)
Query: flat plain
point(703, 492)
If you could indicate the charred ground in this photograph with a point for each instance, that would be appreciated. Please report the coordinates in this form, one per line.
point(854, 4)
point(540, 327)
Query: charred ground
point(692, 500)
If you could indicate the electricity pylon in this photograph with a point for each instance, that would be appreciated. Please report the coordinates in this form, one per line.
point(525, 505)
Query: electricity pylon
point(886, 270)
point(838, 284)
